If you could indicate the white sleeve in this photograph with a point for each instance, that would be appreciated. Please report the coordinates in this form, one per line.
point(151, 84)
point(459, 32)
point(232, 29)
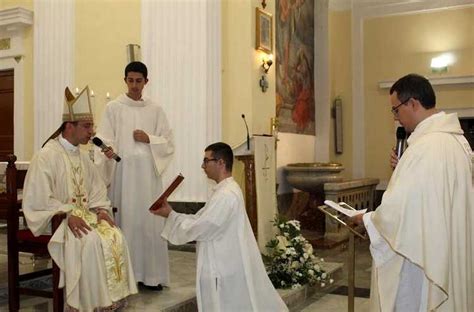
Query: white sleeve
point(161, 143)
point(379, 248)
point(208, 224)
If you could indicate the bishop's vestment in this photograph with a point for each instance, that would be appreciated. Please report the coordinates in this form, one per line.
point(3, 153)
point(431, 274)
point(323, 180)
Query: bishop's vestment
point(95, 270)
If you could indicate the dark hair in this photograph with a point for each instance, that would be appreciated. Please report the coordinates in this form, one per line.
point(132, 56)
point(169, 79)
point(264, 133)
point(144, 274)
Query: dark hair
point(137, 67)
point(59, 131)
point(222, 151)
point(417, 87)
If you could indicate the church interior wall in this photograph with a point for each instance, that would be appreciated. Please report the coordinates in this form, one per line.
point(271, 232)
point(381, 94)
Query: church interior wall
point(27, 60)
point(237, 78)
point(102, 32)
point(398, 45)
point(393, 46)
point(340, 75)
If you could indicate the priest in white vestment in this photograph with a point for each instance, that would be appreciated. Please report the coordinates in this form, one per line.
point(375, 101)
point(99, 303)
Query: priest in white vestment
point(422, 234)
point(230, 272)
point(137, 130)
point(89, 249)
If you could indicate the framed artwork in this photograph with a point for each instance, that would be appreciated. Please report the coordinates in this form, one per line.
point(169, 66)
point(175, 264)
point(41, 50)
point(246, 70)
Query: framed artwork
point(264, 31)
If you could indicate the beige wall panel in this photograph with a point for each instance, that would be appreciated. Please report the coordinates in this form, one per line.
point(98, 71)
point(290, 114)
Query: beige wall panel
point(398, 45)
point(103, 29)
point(340, 72)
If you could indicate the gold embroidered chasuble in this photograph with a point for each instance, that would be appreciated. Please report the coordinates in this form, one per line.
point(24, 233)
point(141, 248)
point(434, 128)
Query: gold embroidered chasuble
point(111, 238)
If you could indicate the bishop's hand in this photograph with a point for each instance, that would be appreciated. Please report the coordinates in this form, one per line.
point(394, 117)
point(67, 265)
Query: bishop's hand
point(102, 214)
point(108, 152)
point(78, 226)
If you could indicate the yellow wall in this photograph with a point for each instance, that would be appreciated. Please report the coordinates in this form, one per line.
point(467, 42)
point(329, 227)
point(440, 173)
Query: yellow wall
point(340, 72)
point(398, 45)
point(237, 64)
point(100, 55)
point(393, 46)
point(241, 72)
point(101, 40)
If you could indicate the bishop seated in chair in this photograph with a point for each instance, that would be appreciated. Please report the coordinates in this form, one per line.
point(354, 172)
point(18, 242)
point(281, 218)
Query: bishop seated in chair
point(89, 249)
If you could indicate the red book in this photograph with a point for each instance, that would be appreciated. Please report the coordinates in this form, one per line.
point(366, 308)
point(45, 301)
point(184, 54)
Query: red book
point(157, 204)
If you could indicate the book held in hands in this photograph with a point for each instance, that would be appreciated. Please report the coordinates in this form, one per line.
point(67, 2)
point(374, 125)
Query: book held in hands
point(157, 204)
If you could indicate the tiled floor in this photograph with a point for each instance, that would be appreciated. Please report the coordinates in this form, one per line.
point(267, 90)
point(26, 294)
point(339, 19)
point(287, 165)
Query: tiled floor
point(182, 266)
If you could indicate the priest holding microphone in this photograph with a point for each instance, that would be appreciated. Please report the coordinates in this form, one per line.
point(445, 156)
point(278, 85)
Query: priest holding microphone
point(422, 234)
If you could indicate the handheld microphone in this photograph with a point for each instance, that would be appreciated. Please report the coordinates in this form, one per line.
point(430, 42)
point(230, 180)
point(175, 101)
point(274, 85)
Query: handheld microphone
point(248, 136)
point(98, 142)
point(401, 140)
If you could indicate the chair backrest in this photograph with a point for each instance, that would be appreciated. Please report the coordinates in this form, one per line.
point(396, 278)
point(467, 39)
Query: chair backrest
point(18, 242)
point(14, 180)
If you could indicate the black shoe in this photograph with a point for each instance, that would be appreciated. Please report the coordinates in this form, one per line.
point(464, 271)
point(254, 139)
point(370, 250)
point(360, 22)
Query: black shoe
point(154, 288)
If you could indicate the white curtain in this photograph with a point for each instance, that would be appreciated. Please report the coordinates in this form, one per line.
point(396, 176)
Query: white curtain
point(53, 64)
point(181, 46)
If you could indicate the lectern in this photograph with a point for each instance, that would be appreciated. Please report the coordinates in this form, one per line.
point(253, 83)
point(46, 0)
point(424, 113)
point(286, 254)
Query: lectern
point(260, 184)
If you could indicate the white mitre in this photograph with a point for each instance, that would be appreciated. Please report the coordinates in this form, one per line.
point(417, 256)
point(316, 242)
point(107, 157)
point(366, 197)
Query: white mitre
point(75, 109)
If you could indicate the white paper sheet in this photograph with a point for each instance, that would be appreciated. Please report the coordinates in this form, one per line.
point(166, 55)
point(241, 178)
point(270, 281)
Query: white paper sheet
point(339, 207)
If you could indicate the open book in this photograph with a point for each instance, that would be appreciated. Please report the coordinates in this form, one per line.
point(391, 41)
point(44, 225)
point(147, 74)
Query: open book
point(344, 208)
point(157, 204)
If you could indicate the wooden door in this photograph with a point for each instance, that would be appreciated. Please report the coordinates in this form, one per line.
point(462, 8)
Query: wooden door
point(6, 111)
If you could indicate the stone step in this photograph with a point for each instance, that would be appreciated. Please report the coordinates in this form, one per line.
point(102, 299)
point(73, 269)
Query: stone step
point(295, 299)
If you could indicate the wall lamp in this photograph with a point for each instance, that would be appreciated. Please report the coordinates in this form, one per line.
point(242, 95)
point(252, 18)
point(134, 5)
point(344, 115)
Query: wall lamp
point(266, 64)
point(440, 64)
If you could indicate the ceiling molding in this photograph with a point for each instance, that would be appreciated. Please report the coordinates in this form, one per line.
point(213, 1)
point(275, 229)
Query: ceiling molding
point(375, 8)
point(436, 81)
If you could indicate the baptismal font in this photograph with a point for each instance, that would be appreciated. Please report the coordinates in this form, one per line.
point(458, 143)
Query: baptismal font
point(310, 178)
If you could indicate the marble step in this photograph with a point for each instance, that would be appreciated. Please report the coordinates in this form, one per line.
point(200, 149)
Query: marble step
point(295, 299)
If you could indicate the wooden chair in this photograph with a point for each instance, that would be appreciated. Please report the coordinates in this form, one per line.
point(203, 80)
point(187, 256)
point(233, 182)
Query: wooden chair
point(23, 240)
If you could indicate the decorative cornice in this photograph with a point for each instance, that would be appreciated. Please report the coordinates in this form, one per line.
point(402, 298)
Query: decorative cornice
point(340, 5)
point(436, 81)
point(372, 8)
point(14, 18)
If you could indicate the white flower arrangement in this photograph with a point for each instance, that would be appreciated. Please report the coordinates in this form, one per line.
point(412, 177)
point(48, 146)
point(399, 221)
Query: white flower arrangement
point(290, 261)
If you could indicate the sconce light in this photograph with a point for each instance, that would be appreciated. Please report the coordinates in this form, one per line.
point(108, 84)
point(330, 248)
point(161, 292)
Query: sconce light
point(267, 62)
point(440, 63)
